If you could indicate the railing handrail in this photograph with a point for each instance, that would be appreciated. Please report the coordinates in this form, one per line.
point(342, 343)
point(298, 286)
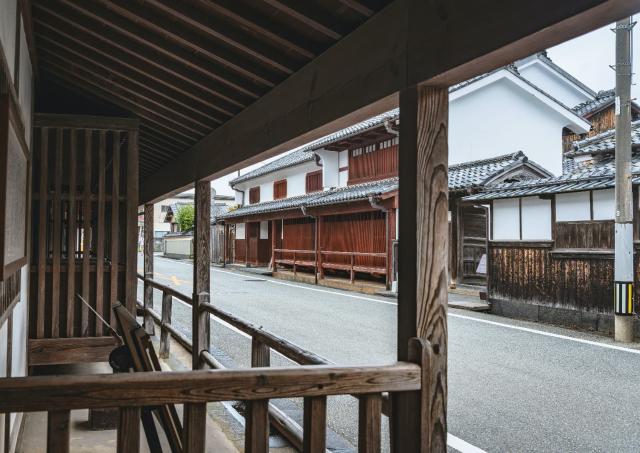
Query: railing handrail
point(166, 289)
point(373, 254)
point(295, 251)
point(41, 393)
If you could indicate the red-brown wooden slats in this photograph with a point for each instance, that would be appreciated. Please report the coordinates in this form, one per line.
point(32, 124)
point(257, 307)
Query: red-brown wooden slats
point(280, 189)
point(254, 195)
point(314, 181)
point(71, 235)
point(57, 236)
point(115, 220)
point(377, 164)
point(86, 231)
point(100, 227)
point(42, 232)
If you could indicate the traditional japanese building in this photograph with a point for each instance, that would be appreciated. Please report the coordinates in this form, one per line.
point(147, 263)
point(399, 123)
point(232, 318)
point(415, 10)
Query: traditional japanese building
point(551, 247)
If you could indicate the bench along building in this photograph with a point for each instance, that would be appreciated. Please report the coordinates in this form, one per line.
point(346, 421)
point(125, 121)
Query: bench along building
point(551, 252)
point(331, 206)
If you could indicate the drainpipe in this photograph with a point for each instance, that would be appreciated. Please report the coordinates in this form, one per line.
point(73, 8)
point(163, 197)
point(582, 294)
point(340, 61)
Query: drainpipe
point(305, 213)
point(390, 129)
point(374, 201)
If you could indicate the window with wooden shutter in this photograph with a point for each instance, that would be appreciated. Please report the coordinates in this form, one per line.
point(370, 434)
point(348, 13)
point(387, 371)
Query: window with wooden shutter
point(314, 181)
point(372, 162)
point(280, 189)
point(254, 195)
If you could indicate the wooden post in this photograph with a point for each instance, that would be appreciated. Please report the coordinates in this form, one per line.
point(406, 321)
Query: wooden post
point(369, 423)
point(148, 266)
point(315, 424)
point(453, 247)
point(128, 437)
point(167, 301)
point(320, 271)
point(57, 431)
point(195, 428)
point(422, 295)
point(225, 245)
point(352, 276)
point(201, 279)
point(257, 419)
point(131, 277)
point(274, 246)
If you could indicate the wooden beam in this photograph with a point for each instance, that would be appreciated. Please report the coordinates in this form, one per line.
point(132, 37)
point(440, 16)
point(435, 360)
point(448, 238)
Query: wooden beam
point(157, 67)
point(310, 16)
point(318, 99)
point(131, 241)
point(148, 265)
point(201, 270)
point(423, 286)
point(54, 351)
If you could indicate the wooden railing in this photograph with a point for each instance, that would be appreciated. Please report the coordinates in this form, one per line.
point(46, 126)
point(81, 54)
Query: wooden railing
point(299, 258)
point(263, 341)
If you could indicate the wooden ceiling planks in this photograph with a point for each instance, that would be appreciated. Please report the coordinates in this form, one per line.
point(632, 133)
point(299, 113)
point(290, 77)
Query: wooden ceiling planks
point(184, 68)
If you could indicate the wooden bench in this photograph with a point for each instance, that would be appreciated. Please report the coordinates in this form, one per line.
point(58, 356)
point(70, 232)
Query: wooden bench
point(143, 357)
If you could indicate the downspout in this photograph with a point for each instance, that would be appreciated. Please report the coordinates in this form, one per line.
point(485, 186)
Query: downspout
point(374, 201)
point(305, 213)
point(390, 129)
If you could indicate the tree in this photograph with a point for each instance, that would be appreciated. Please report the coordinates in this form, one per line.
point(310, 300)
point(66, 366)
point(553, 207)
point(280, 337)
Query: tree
point(185, 216)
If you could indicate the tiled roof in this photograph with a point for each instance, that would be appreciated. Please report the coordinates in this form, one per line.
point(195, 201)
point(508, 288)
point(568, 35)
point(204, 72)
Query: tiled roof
point(288, 160)
point(474, 174)
point(603, 98)
point(544, 57)
point(598, 173)
point(603, 142)
point(327, 197)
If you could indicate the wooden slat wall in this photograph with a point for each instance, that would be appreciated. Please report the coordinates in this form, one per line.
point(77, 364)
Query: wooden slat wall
point(361, 232)
point(594, 234)
point(534, 274)
point(82, 189)
point(379, 164)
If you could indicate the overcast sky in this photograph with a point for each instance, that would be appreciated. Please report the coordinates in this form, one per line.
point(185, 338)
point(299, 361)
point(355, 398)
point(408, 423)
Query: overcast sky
point(587, 57)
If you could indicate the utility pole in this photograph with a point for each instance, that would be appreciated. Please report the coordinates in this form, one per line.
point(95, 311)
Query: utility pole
point(623, 285)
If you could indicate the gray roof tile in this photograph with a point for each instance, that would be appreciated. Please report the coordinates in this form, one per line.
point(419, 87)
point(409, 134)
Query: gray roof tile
point(288, 160)
point(474, 174)
point(604, 142)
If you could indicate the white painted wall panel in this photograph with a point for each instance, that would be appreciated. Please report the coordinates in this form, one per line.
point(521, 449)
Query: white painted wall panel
point(330, 166)
point(264, 229)
point(604, 204)
point(296, 184)
point(19, 341)
point(536, 219)
point(3, 350)
point(344, 158)
point(8, 10)
point(266, 191)
point(554, 84)
point(506, 219)
point(573, 206)
point(239, 197)
point(240, 231)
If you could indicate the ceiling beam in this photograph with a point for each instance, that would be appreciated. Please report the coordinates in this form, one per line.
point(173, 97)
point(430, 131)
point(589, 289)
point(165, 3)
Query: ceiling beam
point(155, 65)
point(136, 36)
point(135, 101)
point(310, 16)
point(251, 20)
point(211, 26)
point(60, 43)
point(158, 98)
point(358, 7)
point(433, 42)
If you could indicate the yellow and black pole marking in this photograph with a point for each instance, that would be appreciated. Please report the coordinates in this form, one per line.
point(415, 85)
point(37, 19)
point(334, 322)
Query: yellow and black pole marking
point(623, 298)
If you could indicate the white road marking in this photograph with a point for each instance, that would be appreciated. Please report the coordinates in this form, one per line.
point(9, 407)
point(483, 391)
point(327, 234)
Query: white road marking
point(548, 334)
point(353, 296)
point(460, 445)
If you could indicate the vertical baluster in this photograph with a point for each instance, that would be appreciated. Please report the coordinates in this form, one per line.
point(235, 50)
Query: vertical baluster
point(256, 438)
point(58, 431)
point(194, 432)
point(352, 276)
point(100, 227)
point(167, 302)
point(71, 236)
point(57, 236)
point(43, 220)
point(315, 424)
point(115, 226)
point(148, 266)
point(370, 411)
point(129, 430)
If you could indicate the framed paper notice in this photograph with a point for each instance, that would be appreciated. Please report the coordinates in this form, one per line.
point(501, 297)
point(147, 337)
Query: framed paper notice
point(14, 168)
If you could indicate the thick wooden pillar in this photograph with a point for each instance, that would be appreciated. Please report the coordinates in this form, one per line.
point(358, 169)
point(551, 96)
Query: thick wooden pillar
point(201, 260)
point(148, 266)
point(131, 285)
point(418, 422)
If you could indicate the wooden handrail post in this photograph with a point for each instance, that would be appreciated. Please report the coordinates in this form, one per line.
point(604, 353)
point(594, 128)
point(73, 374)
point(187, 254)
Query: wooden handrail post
point(167, 302)
point(195, 427)
point(352, 276)
point(294, 262)
point(57, 431)
point(148, 266)
point(315, 425)
point(129, 430)
point(201, 271)
point(369, 423)
point(256, 438)
point(422, 292)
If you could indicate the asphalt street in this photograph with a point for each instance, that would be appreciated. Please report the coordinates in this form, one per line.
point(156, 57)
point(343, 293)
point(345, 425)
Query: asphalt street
point(513, 386)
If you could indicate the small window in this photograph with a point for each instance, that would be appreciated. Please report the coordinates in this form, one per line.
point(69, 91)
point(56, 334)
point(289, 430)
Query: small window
point(314, 181)
point(254, 195)
point(280, 189)
point(164, 208)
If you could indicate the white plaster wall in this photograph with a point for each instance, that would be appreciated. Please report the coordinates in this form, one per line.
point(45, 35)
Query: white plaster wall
point(330, 166)
point(240, 231)
point(536, 219)
point(343, 158)
point(573, 206)
point(266, 191)
point(8, 32)
point(499, 119)
point(264, 229)
point(343, 178)
point(506, 219)
point(604, 204)
point(296, 184)
point(554, 84)
point(239, 197)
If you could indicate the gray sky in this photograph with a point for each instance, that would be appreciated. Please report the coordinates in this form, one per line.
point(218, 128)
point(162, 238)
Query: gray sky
point(587, 58)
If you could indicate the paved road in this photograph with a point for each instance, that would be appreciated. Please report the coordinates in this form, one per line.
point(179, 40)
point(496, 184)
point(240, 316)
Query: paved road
point(513, 386)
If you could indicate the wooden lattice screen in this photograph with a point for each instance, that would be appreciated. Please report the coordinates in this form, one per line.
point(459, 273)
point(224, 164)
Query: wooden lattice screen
point(84, 231)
